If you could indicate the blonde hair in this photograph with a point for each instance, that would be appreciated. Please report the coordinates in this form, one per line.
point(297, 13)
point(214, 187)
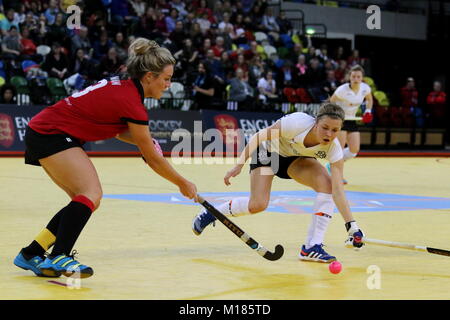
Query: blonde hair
point(330, 110)
point(147, 56)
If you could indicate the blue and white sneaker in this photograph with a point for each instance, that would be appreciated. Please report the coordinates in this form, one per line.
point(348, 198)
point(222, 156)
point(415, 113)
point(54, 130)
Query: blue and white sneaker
point(30, 264)
point(201, 221)
point(66, 265)
point(316, 254)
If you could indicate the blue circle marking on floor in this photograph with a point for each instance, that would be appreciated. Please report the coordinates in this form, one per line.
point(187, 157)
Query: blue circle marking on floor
point(302, 201)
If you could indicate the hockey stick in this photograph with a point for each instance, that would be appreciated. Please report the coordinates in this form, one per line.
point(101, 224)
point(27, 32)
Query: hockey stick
point(406, 246)
point(272, 256)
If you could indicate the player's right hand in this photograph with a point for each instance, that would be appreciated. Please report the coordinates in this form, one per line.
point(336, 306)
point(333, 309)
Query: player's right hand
point(189, 190)
point(232, 173)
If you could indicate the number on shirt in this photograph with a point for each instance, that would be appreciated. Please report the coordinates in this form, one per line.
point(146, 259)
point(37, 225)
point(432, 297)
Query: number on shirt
point(100, 84)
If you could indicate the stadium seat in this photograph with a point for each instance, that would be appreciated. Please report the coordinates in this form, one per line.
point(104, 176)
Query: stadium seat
point(283, 52)
point(56, 87)
point(369, 81)
point(269, 50)
point(382, 98)
point(43, 50)
point(260, 36)
point(303, 95)
point(176, 87)
point(21, 84)
point(290, 94)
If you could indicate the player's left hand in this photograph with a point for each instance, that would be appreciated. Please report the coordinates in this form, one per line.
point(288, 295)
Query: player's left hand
point(355, 235)
point(367, 116)
point(232, 173)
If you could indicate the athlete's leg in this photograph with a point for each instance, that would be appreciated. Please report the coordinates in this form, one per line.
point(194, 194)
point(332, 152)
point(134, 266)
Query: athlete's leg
point(310, 172)
point(73, 169)
point(260, 185)
point(353, 140)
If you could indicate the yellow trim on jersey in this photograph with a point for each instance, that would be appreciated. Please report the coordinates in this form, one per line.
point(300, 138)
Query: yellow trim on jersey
point(45, 239)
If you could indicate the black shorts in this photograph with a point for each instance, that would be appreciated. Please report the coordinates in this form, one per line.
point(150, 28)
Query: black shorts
point(350, 125)
point(39, 146)
point(279, 164)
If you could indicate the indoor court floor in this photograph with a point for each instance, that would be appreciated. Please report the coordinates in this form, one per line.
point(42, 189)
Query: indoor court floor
point(140, 244)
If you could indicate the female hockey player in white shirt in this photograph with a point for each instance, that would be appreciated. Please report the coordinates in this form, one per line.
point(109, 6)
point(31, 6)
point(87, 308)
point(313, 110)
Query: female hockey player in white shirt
point(289, 149)
point(350, 96)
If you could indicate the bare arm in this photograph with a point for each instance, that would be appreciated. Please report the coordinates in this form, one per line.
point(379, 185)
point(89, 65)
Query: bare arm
point(140, 134)
point(339, 197)
point(265, 134)
point(369, 102)
point(125, 137)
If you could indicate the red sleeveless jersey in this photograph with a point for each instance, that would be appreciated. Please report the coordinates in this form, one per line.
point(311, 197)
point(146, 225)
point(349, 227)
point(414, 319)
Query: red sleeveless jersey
point(99, 112)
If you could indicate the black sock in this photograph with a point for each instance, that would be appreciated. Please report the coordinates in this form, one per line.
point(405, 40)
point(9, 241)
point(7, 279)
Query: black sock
point(72, 222)
point(37, 249)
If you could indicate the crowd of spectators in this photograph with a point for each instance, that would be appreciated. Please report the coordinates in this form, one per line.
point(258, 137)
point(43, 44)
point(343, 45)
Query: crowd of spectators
point(219, 56)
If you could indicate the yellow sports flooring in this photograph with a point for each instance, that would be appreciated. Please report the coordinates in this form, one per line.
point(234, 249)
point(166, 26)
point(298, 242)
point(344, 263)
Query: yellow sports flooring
point(146, 250)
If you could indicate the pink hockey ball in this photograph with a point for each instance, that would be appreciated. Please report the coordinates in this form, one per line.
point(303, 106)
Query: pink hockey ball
point(335, 267)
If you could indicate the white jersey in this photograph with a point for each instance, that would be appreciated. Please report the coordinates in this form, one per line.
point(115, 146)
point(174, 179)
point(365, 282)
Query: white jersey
point(350, 101)
point(294, 128)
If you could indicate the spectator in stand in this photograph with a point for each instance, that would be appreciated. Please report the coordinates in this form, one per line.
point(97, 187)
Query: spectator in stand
point(436, 104)
point(203, 88)
point(160, 23)
point(341, 71)
point(139, 7)
point(52, 11)
point(330, 83)
point(225, 23)
point(270, 24)
point(101, 46)
point(28, 46)
point(147, 23)
point(11, 46)
point(287, 75)
point(340, 54)
point(227, 65)
point(56, 63)
point(295, 52)
point(409, 94)
point(81, 40)
point(31, 22)
point(8, 22)
point(121, 45)
point(241, 63)
point(315, 74)
point(256, 15)
point(203, 10)
point(204, 23)
point(267, 88)
point(196, 35)
point(178, 35)
point(315, 77)
point(180, 6)
point(284, 23)
point(110, 64)
point(301, 69)
point(354, 59)
point(57, 32)
point(171, 20)
point(121, 17)
point(8, 94)
point(218, 48)
point(256, 70)
point(310, 54)
point(81, 64)
point(187, 59)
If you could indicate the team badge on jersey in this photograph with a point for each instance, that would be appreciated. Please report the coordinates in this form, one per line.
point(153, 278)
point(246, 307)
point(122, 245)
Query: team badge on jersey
point(321, 154)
